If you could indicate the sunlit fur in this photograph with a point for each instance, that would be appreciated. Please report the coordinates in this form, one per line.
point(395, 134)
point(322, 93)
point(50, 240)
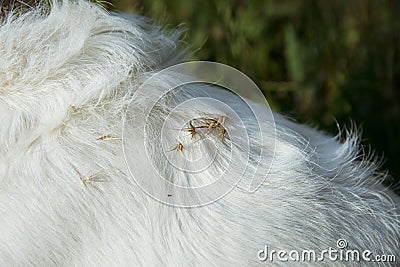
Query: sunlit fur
point(67, 75)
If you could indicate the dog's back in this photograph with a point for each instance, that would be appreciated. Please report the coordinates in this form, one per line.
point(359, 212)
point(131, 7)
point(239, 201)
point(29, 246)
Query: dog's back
point(67, 76)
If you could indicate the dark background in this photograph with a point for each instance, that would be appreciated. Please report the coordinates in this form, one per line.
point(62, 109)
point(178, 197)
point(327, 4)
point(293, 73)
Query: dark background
point(320, 62)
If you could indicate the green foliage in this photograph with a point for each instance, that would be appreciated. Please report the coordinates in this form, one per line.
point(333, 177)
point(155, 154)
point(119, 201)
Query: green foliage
point(324, 61)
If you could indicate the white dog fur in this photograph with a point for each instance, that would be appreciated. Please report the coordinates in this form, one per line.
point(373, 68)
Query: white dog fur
point(67, 76)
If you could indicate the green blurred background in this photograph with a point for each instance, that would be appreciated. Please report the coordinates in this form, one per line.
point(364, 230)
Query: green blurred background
point(320, 62)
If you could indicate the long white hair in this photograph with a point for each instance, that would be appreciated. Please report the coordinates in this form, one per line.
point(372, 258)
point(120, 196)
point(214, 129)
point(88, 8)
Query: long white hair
point(68, 74)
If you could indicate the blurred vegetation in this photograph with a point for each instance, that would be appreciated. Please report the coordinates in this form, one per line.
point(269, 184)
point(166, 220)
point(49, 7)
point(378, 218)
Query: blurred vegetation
point(321, 62)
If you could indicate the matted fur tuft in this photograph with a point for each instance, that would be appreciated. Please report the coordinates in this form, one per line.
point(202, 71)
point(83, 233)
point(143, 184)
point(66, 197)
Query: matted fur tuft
point(67, 76)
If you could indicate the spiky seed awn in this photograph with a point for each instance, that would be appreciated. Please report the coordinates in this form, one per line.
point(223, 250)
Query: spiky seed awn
point(178, 147)
point(216, 123)
point(108, 137)
point(221, 120)
point(212, 123)
point(191, 129)
point(90, 179)
point(222, 133)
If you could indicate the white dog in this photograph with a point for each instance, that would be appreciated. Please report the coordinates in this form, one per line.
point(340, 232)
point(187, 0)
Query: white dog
point(67, 76)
